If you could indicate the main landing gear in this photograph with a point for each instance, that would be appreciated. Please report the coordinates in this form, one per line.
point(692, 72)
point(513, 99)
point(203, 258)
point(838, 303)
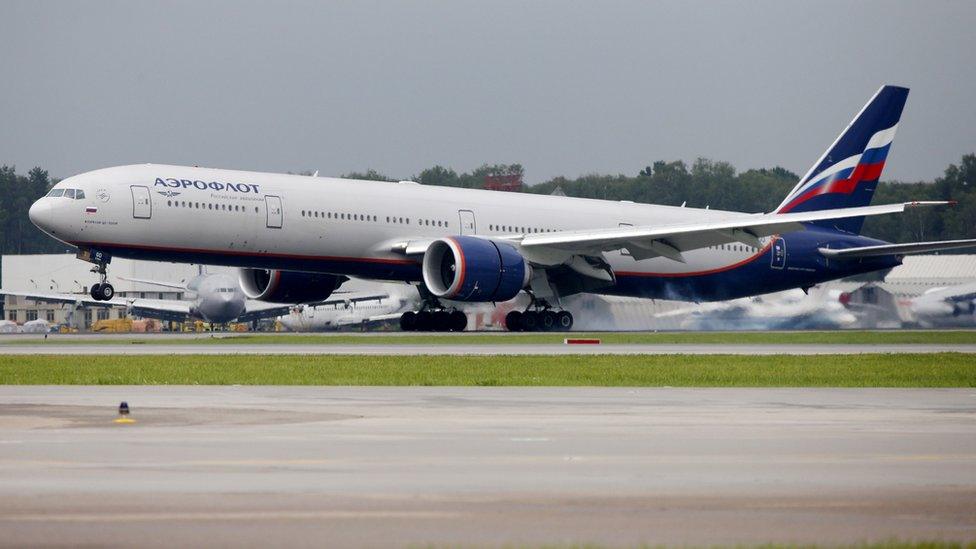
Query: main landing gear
point(539, 317)
point(539, 321)
point(441, 320)
point(102, 291)
point(433, 316)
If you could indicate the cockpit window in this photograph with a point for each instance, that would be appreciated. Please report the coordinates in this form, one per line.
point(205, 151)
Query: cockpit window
point(74, 194)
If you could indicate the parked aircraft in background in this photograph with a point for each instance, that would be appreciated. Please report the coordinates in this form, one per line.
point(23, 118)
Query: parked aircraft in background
point(952, 306)
point(382, 304)
point(818, 309)
point(213, 298)
point(296, 238)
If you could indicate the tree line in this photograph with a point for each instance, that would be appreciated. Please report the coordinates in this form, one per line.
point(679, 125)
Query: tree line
point(705, 182)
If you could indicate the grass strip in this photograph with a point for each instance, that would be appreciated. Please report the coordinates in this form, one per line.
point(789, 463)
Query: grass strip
point(869, 370)
point(859, 337)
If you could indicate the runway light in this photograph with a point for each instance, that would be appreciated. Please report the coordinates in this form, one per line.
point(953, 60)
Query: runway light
point(124, 414)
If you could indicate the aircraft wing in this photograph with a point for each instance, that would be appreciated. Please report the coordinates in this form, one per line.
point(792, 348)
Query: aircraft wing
point(66, 299)
point(897, 249)
point(347, 300)
point(351, 321)
point(257, 310)
point(156, 283)
point(163, 309)
point(669, 241)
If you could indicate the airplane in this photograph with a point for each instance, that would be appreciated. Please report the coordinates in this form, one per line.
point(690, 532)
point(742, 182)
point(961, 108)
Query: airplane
point(820, 308)
point(348, 312)
point(946, 306)
point(215, 298)
point(295, 238)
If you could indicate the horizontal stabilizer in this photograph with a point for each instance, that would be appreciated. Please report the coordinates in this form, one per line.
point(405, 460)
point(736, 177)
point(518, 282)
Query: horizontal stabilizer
point(897, 249)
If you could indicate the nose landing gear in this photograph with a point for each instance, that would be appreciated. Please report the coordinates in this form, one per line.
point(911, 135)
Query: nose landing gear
point(102, 291)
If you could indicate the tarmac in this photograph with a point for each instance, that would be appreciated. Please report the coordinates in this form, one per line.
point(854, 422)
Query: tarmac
point(485, 466)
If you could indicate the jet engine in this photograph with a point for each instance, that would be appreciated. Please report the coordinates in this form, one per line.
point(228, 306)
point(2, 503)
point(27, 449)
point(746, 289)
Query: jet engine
point(467, 268)
point(287, 286)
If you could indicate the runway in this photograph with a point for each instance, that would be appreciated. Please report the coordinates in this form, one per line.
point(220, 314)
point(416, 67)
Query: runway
point(486, 466)
point(472, 349)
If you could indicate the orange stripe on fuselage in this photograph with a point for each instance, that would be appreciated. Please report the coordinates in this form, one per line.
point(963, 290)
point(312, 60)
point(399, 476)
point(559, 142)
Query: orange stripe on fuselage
point(707, 272)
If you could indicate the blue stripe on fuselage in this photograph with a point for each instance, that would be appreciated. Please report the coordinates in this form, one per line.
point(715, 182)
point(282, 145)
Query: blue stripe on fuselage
point(804, 266)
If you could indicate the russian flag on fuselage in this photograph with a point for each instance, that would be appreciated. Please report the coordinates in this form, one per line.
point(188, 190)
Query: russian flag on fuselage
point(847, 174)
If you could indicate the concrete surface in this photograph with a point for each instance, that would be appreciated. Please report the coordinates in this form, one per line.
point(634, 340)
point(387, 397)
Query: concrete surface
point(381, 467)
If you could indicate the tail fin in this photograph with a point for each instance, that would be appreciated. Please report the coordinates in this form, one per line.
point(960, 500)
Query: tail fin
point(847, 174)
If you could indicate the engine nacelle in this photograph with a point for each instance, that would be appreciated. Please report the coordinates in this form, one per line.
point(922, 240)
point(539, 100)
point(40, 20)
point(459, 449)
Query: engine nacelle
point(467, 268)
point(287, 286)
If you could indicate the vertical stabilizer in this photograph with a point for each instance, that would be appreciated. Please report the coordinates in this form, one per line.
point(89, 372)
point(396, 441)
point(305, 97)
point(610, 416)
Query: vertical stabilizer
point(848, 172)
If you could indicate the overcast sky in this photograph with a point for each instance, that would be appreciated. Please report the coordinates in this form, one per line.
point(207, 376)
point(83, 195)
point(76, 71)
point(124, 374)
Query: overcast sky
point(564, 88)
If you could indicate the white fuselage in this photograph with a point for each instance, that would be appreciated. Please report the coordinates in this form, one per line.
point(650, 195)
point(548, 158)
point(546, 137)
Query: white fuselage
point(341, 226)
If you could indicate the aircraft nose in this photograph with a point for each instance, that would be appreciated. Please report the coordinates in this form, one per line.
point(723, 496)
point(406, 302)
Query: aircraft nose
point(40, 213)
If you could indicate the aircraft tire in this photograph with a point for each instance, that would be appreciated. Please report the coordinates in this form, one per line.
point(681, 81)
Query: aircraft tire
point(408, 321)
point(547, 321)
point(530, 321)
point(425, 321)
point(459, 321)
point(513, 321)
point(107, 292)
point(96, 291)
point(564, 321)
point(443, 321)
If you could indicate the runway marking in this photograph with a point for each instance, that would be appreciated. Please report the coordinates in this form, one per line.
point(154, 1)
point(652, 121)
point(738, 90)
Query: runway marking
point(108, 517)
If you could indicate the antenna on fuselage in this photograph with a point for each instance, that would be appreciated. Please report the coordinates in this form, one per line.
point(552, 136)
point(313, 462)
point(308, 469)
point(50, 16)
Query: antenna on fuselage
point(316, 174)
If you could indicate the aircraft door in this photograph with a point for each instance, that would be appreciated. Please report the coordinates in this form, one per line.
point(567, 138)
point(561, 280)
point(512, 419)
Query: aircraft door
point(778, 257)
point(273, 205)
point(141, 202)
point(468, 225)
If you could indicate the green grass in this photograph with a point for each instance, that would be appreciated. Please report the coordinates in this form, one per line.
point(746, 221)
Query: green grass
point(873, 370)
point(936, 337)
point(892, 544)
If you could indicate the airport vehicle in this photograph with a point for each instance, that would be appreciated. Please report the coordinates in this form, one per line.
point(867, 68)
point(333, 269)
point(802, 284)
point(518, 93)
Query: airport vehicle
point(215, 298)
point(295, 238)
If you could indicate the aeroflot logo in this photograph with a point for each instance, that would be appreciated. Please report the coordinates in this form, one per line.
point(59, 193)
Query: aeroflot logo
point(204, 185)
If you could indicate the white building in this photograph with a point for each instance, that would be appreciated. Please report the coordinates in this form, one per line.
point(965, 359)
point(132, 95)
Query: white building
point(65, 274)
